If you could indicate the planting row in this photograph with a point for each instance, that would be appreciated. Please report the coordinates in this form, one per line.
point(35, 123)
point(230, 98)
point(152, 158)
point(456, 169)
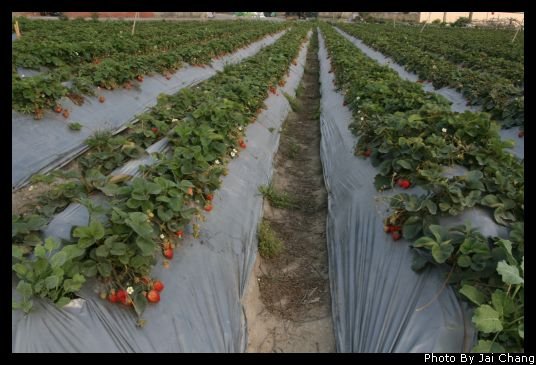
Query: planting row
point(113, 70)
point(498, 95)
point(413, 138)
point(459, 48)
point(146, 216)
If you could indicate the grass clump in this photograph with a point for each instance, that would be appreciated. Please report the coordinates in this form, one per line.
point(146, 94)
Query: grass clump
point(278, 199)
point(269, 244)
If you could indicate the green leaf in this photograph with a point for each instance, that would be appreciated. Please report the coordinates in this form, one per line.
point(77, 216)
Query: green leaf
point(431, 206)
point(437, 231)
point(419, 262)
point(509, 273)
point(89, 235)
point(25, 289)
point(486, 319)
point(16, 251)
point(26, 306)
point(138, 261)
point(441, 252)
point(62, 302)
point(521, 330)
point(89, 268)
point(40, 251)
point(104, 268)
point(102, 251)
point(424, 241)
point(140, 303)
point(412, 227)
point(52, 282)
point(382, 182)
point(138, 222)
point(405, 164)
point(20, 269)
point(73, 251)
point(502, 303)
point(486, 346)
point(118, 249)
point(474, 176)
point(147, 247)
point(490, 201)
point(464, 261)
point(58, 259)
point(51, 244)
point(473, 294)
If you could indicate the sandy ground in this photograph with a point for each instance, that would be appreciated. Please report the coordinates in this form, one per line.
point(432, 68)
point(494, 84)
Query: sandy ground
point(288, 305)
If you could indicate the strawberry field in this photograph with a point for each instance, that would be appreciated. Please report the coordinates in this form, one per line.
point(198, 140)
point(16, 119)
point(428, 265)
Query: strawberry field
point(411, 137)
point(85, 54)
point(136, 214)
point(484, 65)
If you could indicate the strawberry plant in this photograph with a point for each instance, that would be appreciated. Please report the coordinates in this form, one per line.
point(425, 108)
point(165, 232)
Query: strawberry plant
point(145, 216)
point(494, 83)
point(414, 138)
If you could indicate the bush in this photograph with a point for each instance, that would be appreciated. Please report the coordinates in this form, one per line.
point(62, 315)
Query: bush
point(461, 22)
point(436, 21)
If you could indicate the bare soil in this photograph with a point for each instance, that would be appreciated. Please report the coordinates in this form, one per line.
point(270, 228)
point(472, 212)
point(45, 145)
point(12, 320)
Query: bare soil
point(288, 304)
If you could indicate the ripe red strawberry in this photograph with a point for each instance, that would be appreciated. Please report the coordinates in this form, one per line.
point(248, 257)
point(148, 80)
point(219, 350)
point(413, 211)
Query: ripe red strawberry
point(65, 113)
point(210, 197)
point(168, 253)
point(153, 296)
point(367, 152)
point(154, 129)
point(58, 109)
point(396, 228)
point(139, 78)
point(101, 99)
point(179, 233)
point(396, 235)
point(112, 297)
point(387, 228)
point(158, 285)
point(121, 296)
point(404, 184)
point(208, 208)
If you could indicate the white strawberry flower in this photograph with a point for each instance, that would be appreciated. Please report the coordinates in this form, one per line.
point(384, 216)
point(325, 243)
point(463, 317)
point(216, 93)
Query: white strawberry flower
point(362, 119)
point(162, 236)
point(130, 290)
point(358, 98)
point(239, 128)
point(30, 188)
point(444, 130)
point(234, 150)
point(217, 162)
point(174, 120)
point(233, 154)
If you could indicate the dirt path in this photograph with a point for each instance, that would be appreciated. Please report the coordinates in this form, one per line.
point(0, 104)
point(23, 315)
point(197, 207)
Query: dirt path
point(287, 302)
